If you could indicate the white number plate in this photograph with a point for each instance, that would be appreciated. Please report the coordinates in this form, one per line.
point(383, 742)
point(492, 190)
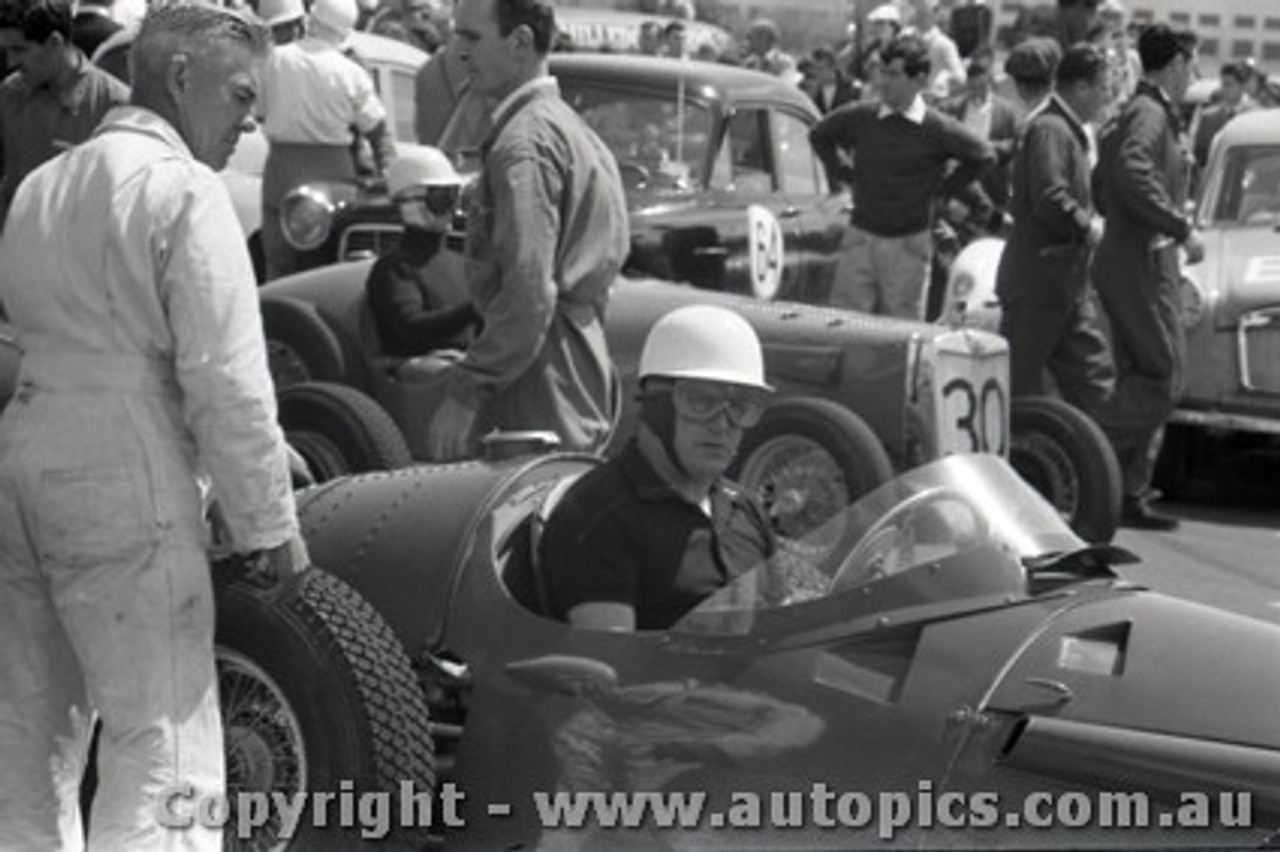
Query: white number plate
point(971, 393)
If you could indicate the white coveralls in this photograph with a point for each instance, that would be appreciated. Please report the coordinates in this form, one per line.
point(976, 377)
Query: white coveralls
point(125, 273)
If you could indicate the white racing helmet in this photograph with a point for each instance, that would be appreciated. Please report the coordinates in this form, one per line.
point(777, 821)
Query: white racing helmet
point(420, 165)
point(275, 12)
point(704, 342)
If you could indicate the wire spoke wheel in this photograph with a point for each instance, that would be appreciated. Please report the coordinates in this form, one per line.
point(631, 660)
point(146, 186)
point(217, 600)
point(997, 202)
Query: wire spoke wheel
point(264, 745)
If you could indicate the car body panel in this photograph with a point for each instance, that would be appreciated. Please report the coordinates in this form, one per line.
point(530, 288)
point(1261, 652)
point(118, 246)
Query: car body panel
point(947, 677)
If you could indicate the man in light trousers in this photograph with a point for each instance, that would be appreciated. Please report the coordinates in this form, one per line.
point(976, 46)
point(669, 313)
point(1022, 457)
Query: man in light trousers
point(126, 277)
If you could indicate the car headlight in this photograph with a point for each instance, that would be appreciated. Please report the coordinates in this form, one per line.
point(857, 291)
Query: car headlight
point(306, 217)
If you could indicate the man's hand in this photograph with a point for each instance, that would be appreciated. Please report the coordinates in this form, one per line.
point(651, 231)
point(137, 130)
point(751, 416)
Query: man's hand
point(272, 566)
point(449, 436)
point(1096, 226)
point(1194, 248)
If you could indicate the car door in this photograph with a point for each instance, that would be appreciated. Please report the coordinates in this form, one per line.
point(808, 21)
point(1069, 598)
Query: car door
point(813, 220)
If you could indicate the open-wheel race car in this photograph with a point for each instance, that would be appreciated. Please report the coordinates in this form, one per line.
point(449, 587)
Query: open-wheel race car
point(859, 396)
point(944, 664)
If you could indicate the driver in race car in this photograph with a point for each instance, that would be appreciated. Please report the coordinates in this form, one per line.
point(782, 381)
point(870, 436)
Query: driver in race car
point(639, 541)
point(417, 292)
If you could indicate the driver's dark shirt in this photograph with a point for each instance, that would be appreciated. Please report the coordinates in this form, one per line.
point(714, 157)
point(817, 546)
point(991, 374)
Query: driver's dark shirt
point(622, 535)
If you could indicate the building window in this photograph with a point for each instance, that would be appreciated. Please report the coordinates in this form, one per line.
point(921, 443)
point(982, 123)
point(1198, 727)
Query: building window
point(1210, 21)
point(1143, 16)
point(1208, 47)
point(1246, 22)
point(1271, 51)
point(1241, 49)
point(1271, 23)
point(1180, 19)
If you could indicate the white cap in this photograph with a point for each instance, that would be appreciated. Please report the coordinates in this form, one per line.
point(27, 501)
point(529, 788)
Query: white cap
point(885, 12)
point(337, 18)
point(275, 12)
point(420, 165)
point(704, 342)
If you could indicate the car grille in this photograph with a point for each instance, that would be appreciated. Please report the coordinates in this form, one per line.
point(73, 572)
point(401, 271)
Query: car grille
point(363, 241)
point(1259, 346)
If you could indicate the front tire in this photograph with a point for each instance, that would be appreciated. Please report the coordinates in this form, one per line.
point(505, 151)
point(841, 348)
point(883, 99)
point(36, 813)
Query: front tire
point(317, 695)
point(339, 430)
point(1065, 456)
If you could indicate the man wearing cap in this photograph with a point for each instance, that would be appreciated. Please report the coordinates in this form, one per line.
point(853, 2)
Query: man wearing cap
point(312, 97)
point(93, 24)
point(641, 540)
point(1031, 65)
point(904, 157)
point(286, 18)
point(1141, 185)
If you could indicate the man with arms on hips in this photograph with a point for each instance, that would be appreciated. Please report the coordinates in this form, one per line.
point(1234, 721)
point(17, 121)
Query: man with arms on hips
point(1049, 314)
point(1141, 181)
point(124, 271)
point(546, 237)
point(902, 155)
point(639, 541)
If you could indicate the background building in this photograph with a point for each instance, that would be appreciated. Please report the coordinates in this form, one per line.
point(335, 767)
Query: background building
point(1228, 29)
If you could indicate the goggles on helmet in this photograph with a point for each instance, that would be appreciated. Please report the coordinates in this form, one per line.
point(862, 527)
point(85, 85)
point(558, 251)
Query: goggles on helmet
point(703, 401)
point(439, 199)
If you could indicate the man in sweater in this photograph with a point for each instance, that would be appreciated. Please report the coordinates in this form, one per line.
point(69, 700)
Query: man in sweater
point(897, 156)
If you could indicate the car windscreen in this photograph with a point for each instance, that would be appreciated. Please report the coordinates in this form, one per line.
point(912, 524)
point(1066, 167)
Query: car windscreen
point(964, 526)
point(1249, 192)
point(659, 142)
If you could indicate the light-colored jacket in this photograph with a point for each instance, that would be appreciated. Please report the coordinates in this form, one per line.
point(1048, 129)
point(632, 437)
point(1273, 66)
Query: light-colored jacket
point(125, 274)
point(547, 236)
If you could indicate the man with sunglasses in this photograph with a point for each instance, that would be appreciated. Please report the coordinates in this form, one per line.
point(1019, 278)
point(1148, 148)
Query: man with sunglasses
point(417, 292)
point(644, 538)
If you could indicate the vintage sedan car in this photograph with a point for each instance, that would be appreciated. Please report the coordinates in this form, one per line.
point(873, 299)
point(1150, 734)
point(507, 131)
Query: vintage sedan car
point(724, 190)
point(917, 390)
point(946, 666)
point(1230, 302)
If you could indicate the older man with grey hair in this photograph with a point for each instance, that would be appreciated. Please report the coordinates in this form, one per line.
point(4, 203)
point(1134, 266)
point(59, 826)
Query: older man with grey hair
point(124, 273)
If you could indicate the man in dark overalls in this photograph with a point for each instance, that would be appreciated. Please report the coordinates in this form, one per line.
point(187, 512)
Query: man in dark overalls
point(1141, 187)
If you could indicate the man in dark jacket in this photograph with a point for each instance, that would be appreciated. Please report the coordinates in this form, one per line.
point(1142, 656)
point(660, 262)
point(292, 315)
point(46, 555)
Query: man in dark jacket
point(1049, 315)
point(1141, 187)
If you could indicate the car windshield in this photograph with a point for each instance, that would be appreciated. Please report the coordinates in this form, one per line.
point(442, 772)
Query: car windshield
point(659, 142)
point(1250, 190)
point(963, 527)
